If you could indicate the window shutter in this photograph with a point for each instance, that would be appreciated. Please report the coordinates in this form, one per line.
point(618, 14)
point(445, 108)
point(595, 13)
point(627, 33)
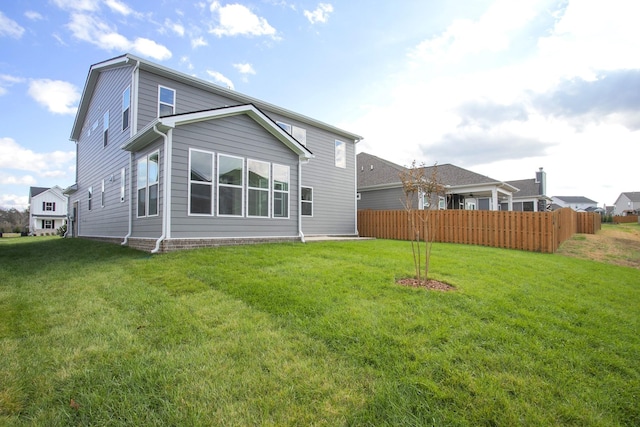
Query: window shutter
point(54, 206)
point(43, 206)
point(43, 223)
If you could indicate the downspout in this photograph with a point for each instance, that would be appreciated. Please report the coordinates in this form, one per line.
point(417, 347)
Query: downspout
point(164, 203)
point(133, 128)
point(130, 230)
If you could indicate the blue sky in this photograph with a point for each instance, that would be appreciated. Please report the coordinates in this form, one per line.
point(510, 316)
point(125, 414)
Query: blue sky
point(496, 86)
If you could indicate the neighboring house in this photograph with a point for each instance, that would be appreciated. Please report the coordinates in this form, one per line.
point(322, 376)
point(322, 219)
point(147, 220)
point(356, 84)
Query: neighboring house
point(531, 195)
point(627, 203)
point(168, 161)
point(380, 187)
point(47, 210)
point(577, 203)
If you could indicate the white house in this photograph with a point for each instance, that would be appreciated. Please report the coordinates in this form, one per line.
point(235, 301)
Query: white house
point(47, 210)
point(577, 203)
point(627, 203)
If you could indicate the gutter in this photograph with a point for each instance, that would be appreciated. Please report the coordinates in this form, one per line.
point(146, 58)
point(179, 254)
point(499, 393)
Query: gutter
point(165, 205)
point(300, 233)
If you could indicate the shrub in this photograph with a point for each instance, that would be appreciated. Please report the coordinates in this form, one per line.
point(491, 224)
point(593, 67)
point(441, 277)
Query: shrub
point(62, 230)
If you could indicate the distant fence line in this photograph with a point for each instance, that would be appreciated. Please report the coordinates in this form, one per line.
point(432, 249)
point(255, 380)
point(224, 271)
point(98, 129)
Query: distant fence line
point(529, 231)
point(625, 219)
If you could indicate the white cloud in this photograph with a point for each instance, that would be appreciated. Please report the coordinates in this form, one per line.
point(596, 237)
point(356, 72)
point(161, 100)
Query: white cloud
point(119, 7)
point(16, 157)
point(9, 27)
point(176, 27)
point(321, 14)
point(58, 96)
point(14, 201)
point(236, 19)
point(8, 81)
point(78, 5)
point(187, 62)
point(17, 180)
point(244, 68)
point(90, 29)
point(198, 42)
point(220, 78)
point(33, 15)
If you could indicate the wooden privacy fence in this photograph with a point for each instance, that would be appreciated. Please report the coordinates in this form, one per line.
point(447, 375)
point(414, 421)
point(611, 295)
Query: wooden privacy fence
point(625, 219)
point(529, 231)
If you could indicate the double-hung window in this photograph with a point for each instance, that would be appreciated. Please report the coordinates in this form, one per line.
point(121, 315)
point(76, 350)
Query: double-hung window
point(147, 184)
point(122, 184)
point(306, 201)
point(89, 196)
point(280, 191)
point(341, 154)
point(166, 101)
point(300, 134)
point(126, 107)
point(200, 182)
point(258, 179)
point(102, 195)
point(47, 224)
point(48, 206)
point(230, 185)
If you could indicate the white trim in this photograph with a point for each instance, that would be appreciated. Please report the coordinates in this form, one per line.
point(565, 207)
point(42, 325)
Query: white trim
point(304, 201)
point(267, 190)
point(241, 187)
point(287, 192)
point(175, 101)
point(212, 184)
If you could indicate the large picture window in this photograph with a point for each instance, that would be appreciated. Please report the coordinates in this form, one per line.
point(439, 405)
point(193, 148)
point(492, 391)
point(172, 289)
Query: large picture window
point(280, 191)
point(306, 201)
point(166, 101)
point(147, 184)
point(258, 178)
point(200, 182)
point(230, 185)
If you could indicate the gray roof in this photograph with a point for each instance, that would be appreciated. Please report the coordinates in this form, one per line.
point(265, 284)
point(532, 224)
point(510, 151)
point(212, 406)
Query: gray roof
point(374, 171)
point(575, 199)
point(634, 196)
point(34, 191)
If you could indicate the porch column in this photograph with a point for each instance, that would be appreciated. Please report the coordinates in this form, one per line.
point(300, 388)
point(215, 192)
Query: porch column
point(510, 201)
point(494, 199)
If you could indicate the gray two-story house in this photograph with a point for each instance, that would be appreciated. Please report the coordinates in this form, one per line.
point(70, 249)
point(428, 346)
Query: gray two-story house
point(168, 161)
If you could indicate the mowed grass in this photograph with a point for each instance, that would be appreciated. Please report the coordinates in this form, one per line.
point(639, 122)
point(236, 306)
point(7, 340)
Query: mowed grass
point(313, 334)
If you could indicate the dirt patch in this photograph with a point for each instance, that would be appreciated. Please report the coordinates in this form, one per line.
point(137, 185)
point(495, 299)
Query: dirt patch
point(614, 244)
point(434, 285)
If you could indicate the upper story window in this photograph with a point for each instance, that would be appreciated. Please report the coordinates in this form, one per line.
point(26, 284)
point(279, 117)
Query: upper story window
point(49, 206)
point(89, 196)
point(341, 154)
point(166, 101)
point(105, 129)
point(300, 134)
point(200, 182)
point(126, 107)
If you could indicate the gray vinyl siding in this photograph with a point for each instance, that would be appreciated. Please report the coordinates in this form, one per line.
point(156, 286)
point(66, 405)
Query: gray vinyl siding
point(188, 98)
point(148, 226)
point(99, 162)
point(384, 199)
point(238, 136)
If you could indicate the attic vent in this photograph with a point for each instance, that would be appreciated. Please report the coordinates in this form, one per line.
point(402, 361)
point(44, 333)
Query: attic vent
point(371, 167)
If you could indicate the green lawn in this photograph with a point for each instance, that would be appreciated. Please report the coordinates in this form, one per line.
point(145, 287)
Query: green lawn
point(313, 334)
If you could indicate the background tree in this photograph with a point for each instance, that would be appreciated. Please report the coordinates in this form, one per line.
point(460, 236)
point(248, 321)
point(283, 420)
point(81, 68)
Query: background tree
point(13, 219)
point(421, 185)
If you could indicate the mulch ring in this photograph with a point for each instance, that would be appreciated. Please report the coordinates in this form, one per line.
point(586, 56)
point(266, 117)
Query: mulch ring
point(434, 285)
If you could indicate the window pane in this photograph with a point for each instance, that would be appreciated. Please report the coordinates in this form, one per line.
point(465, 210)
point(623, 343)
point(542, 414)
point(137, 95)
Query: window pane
point(153, 199)
point(229, 170)
point(142, 173)
point(230, 201)
point(341, 154)
point(201, 166)
point(258, 174)
point(165, 110)
point(307, 194)
point(280, 178)
point(258, 203)
point(153, 168)
point(142, 198)
point(280, 204)
point(285, 126)
point(300, 135)
point(167, 95)
point(307, 209)
point(201, 198)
